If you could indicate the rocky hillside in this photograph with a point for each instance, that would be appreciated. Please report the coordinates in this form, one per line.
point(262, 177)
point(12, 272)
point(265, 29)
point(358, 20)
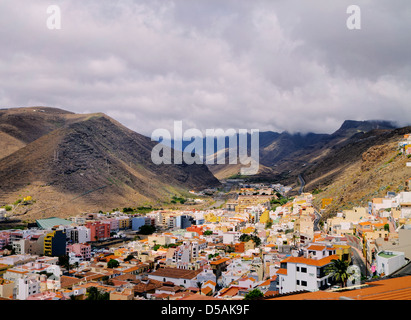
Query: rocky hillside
point(368, 174)
point(88, 163)
point(284, 156)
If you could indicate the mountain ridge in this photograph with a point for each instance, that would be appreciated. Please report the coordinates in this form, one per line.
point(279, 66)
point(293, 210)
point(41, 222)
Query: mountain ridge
point(100, 163)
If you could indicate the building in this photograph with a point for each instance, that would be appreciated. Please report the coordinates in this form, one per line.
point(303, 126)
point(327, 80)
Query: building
point(306, 273)
point(26, 287)
point(98, 230)
point(184, 221)
point(180, 277)
point(389, 261)
point(81, 250)
point(6, 288)
point(397, 288)
point(52, 222)
point(78, 234)
point(55, 243)
point(138, 222)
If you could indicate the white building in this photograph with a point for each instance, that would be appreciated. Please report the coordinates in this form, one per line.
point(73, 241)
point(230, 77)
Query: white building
point(180, 277)
point(26, 286)
point(306, 272)
point(231, 237)
point(389, 261)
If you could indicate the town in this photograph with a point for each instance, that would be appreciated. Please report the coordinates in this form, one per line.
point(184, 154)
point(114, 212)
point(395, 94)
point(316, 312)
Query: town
point(260, 243)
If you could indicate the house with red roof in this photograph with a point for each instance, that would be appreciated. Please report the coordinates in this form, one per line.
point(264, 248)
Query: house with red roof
point(307, 272)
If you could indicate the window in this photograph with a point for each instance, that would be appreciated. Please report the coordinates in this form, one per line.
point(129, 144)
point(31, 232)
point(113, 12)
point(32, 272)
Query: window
point(304, 270)
point(304, 283)
point(298, 282)
point(298, 268)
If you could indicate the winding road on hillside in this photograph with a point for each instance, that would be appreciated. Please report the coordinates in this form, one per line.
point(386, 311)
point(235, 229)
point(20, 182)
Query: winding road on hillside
point(302, 182)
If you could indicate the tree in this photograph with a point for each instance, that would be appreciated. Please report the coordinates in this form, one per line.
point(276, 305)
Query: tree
point(247, 237)
point(64, 262)
point(254, 294)
point(386, 227)
point(338, 269)
point(199, 285)
point(147, 229)
point(208, 233)
point(129, 257)
point(94, 294)
point(113, 263)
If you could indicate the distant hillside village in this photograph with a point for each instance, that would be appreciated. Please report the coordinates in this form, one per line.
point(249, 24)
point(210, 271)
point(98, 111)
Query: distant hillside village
point(261, 244)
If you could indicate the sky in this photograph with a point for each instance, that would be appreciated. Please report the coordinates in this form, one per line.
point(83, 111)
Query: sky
point(278, 65)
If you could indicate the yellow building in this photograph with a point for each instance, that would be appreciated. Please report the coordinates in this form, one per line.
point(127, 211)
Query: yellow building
point(355, 214)
point(343, 252)
point(120, 252)
point(6, 288)
point(249, 245)
point(123, 223)
point(248, 230)
point(265, 217)
point(211, 217)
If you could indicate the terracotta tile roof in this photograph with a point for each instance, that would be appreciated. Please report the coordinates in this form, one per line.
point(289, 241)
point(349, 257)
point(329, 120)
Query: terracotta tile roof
point(231, 291)
point(365, 223)
point(387, 289)
point(176, 273)
point(270, 293)
point(68, 281)
point(18, 271)
point(219, 261)
point(198, 297)
point(206, 290)
point(282, 271)
point(210, 282)
point(316, 247)
point(311, 262)
point(265, 283)
point(170, 289)
point(126, 277)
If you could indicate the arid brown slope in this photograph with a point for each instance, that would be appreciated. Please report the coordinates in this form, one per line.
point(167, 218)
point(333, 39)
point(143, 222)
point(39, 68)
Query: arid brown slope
point(93, 164)
point(376, 171)
point(20, 126)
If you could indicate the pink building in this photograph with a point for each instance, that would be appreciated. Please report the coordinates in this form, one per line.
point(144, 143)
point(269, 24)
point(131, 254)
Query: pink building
point(47, 295)
point(114, 224)
point(80, 249)
point(4, 239)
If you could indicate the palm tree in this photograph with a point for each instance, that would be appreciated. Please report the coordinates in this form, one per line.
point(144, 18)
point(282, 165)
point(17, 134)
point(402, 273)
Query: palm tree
point(338, 269)
point(199, 285)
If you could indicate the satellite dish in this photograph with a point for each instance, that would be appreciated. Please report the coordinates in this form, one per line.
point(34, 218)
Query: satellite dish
point(354, 275)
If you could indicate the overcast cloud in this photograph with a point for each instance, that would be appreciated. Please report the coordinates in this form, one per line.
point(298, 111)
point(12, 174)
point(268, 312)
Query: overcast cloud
point(269, 65)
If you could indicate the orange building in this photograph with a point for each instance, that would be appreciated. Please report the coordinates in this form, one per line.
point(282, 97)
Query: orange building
point(197, 229)
point(239, 247)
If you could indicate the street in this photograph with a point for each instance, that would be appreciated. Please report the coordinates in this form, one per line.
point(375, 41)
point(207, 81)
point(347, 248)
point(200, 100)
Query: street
point(357, 257)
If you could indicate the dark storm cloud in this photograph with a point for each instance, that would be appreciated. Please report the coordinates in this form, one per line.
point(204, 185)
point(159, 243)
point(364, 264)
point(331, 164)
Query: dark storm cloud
point(272, 65)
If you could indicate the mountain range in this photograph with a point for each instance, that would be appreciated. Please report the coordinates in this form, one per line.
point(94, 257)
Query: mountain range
point(71, 162)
